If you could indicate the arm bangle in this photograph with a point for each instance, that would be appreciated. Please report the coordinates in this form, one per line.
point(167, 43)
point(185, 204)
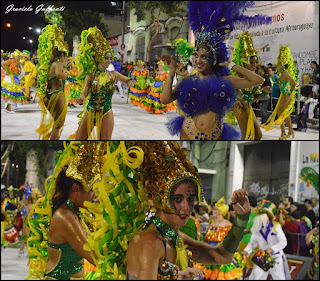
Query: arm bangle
point(231, 64)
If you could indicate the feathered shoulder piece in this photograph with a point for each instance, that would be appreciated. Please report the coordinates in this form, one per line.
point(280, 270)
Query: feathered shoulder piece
point(212, 21)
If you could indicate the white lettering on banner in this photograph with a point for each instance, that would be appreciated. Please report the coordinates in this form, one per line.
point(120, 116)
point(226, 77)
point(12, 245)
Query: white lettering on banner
point(295, 24)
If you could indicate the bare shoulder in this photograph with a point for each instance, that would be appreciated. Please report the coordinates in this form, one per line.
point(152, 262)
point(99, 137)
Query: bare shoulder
point(147, 244)
point(147, 239)
point(62, 216)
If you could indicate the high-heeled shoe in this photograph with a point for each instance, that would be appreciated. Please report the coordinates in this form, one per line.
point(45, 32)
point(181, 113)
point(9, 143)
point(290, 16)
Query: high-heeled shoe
point(290, 134)
point(283, 137)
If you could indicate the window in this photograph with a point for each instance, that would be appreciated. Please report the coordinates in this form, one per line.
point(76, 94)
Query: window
point(140, 47)
point(155, 51)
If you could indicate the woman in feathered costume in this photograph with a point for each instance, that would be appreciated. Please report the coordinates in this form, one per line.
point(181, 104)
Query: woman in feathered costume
point(92, 62)
point(208, 95)
point(52, 55)
point(288, 82)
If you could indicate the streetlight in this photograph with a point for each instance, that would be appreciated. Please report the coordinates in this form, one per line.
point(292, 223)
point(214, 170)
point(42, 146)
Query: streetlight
point(38, 30)
point(24, 38)
point(29, 27)
point(8, 24)
point(31, 44)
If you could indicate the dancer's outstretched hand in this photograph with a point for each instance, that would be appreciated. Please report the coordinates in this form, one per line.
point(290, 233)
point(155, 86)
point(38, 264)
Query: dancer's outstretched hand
point(190, 273)
point(240, 201)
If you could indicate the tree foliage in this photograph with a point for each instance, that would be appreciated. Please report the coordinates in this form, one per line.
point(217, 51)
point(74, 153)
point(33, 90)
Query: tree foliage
point(74, 22)
point(18, 156)
point(171, 8)
point(155, 9)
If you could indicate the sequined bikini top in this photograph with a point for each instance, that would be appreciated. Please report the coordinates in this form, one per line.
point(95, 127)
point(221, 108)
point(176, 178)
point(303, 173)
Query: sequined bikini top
point(68, 264)
point(167, 270)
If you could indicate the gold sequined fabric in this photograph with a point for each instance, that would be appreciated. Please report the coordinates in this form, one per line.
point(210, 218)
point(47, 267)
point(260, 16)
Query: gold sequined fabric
point(244, 49)
point(164, 165)
point(86, 165)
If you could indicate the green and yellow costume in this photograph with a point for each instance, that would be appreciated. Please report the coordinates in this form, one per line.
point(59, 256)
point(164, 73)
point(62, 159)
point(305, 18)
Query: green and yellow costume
point(50, 38)
point(285, 58)
point(242, 53)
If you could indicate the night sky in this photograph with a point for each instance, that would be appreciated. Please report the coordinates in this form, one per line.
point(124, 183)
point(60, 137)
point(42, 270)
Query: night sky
point(11, 38)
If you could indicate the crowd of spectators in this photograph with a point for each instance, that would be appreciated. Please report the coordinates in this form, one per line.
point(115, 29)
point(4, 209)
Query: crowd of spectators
point(299, 222)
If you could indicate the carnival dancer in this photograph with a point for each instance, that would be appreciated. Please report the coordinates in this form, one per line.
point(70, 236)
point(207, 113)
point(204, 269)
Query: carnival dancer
point(215, 235)
point(58, 232)
point(99, 85)
point(30, 72)
point(9, 209)
point(288, 83)
point(72, 90)
point(140, 88)
point(151, 101)
point(11, 89)
point(30, 195)
point(208, 95)
point(268, 234)
point(3, 74)
point(245, 55)
point(138, 174)
point(52, 58)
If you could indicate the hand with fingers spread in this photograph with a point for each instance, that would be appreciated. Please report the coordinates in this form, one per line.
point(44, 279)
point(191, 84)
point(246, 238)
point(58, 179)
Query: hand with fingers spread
point(190, 273)
point(240, 201)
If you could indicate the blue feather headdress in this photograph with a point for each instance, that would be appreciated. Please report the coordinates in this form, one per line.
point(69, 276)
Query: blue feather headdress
point(212, 22)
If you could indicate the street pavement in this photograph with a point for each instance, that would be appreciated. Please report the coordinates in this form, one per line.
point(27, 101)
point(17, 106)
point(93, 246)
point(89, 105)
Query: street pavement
point(130, 123)
point(13, 267)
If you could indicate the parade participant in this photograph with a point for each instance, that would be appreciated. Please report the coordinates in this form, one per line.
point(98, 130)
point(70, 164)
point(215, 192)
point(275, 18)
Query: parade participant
point(288, 82)
point(215, 235)
point(3, 74)
point(30, 72)
point(30, 196)
point(9, 209)
point(11, 89)
point(312, 237)
point(92, 62)
point(117, 67)
point(208, 95)
point(58, 231)
point(72, 90)
point(136, 175)
point(141, 87)
point(246, 56)
point(268, 234)
point(151, 101)
point(52, 56)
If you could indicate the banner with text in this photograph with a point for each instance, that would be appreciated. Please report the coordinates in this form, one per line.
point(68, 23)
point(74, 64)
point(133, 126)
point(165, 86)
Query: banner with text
point(293, 23)
point(308, 170)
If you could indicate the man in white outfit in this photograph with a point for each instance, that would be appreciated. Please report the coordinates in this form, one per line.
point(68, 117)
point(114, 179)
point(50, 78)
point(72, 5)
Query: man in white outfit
point(268, 234)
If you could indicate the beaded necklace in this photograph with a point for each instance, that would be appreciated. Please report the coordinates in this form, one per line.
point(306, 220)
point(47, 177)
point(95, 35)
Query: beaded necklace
point(74, 208)
point(166, 230)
